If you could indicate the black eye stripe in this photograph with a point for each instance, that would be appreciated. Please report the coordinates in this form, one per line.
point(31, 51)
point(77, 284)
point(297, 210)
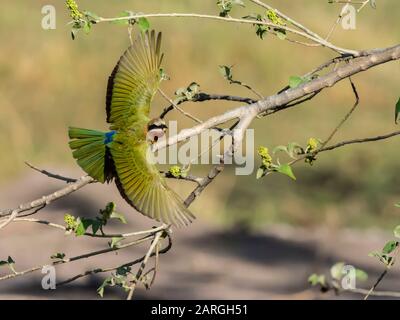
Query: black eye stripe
point(156, 126)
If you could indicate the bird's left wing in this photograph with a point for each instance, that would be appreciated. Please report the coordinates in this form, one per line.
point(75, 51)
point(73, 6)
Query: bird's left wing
point(134, 81)
point(142, 185)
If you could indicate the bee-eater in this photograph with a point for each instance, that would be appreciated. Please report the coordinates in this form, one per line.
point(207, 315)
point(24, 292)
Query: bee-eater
point(120, 154)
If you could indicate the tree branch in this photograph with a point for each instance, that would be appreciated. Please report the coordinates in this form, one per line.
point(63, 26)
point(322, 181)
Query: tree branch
point(279, 101)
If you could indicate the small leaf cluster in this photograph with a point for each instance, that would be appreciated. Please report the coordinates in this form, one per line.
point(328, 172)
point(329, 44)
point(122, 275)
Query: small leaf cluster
point(9, 263)
point(119, 278)
point(226, 72)
point(294, 150)
point(72, 6)
point(178, 172)
point(226, 6)
point(187, 93)
point(143, 23)
point(79, 225)
point(163, 75)
point(58, 256)
point(267, 166)
point(268, 16)
point(80, 20)
point(387, 254)
point(333, 280)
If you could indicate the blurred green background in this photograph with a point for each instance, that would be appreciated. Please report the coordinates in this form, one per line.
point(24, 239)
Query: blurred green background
point(48, 82)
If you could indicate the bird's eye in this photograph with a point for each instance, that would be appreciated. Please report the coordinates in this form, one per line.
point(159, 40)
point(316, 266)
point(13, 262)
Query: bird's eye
point(154, 134)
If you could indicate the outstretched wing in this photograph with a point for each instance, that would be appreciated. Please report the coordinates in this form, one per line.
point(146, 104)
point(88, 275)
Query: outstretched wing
point(143, 187)
point(134, 81)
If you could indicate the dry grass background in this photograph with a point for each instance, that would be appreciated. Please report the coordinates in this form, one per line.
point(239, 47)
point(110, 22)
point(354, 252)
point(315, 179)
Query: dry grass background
point(48, 81)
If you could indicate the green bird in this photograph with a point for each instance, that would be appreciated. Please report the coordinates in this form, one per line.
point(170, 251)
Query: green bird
point(120, 154)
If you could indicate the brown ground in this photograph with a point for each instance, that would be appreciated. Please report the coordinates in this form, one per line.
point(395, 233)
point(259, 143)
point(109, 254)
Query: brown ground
point(205, 262)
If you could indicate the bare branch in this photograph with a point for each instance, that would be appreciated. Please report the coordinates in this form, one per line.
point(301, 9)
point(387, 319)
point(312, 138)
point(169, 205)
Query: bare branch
point(128, 264)
point(149, 253)
point(308, 35)
point(275, 102)
point(83, 256)
point(50, 174)
point(201, 97)
point(346, 117)
point(45, 200)
point(362, 140)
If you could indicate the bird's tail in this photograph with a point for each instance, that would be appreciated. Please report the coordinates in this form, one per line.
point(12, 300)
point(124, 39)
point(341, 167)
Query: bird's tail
point(89, 148)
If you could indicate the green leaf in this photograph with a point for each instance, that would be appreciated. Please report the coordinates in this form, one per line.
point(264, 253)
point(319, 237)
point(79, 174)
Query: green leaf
point(295, 81)
point(281, 34)
point(280, 149)
point(91, 15)
point(260, 173)
point(143, 24)
point(336, 270)
point(96, 225)
point(123, 271)
point(227, 5)
point(294, 149)
point(8, 262)
point(396, 231)
point(163, 75)
point(316, 279)
point(286, 169)
point(115, 241)
point(361, 275)
point(74, 32)
point(119, 216)
point(226, 72)
point(175, 171)
point(123, 14)
point(100, 291)
point(397, 205)
point(82, 226)
point(58, 256)
point(397, 112)
point(87, 26)
point(375, 254)
point(106, 282)
point(390, 246)
point(80, 230)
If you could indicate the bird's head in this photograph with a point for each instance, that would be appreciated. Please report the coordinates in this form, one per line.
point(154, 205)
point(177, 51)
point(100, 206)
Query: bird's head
point(156, 128)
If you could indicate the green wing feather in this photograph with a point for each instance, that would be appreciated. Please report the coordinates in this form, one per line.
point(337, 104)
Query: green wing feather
point(91, 152)
point(142, 186)
point(134, 82)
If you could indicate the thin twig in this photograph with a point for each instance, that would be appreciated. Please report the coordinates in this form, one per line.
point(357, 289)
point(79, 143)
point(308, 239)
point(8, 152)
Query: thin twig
point(47, 199)
point(308, 35)
point(362, 140)
point(187, 114)
point(153, 245)
point(287, 18)
point(83, 256)
point(50, 174)
point(347, 116)
point(104, 235)
point(202, 97)
point(128, 264)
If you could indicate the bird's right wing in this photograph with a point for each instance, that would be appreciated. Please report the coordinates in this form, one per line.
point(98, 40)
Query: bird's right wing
point(134, 81)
